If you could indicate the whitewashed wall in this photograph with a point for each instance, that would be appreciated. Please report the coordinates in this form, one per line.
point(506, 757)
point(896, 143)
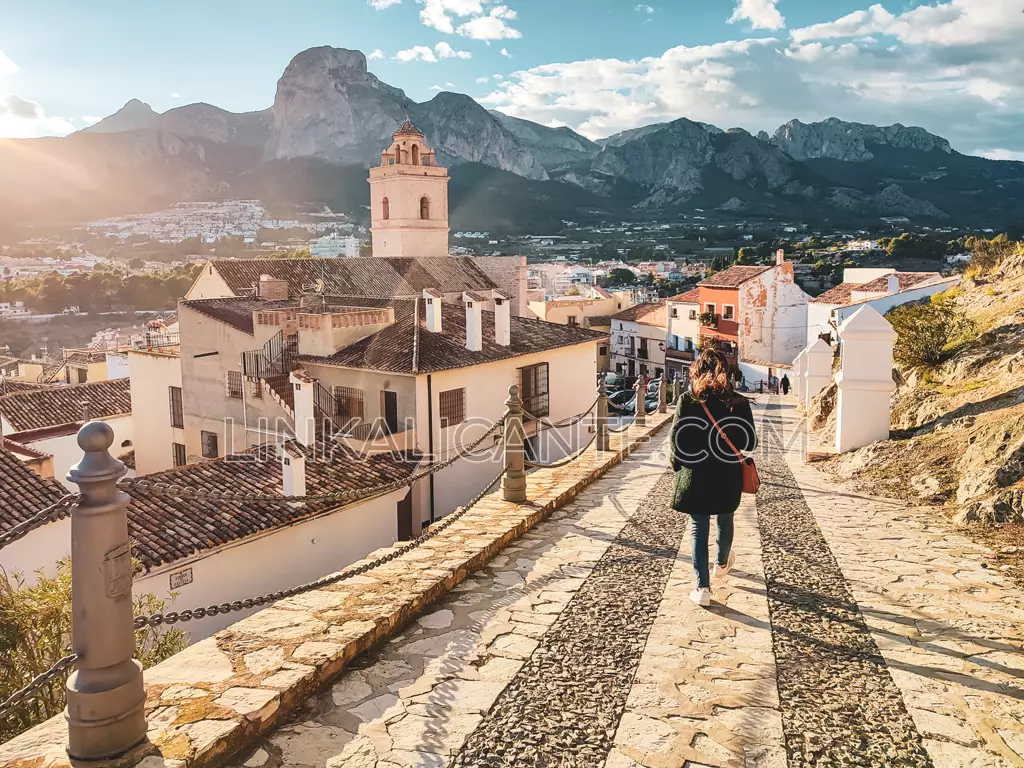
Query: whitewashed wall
point(885, 303)
point(773, 317)
point(152, 374)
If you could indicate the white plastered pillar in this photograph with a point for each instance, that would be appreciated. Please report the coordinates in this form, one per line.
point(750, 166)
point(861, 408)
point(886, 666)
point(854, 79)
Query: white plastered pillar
point(865, 380)
point(817, 370)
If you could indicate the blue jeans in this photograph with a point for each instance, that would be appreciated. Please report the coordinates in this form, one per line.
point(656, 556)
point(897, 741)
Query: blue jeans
point(701, 530)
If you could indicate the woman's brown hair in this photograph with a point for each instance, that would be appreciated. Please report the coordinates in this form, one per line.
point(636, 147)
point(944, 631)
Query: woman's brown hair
point(709, 373)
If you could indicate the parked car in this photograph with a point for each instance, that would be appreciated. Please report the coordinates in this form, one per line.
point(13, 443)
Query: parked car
point(616, 382)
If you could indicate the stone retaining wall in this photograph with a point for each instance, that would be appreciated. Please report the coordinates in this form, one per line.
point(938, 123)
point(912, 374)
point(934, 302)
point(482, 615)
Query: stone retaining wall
point(213, 698)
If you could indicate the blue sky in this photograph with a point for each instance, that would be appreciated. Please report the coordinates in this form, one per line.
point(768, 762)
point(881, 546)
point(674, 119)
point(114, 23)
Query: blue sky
point(600, 66)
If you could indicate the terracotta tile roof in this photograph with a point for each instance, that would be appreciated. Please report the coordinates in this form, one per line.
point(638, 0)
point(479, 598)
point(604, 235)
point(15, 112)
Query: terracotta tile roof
point(599, 320)
point(690, 297)
point(408, 347)
point(838, 295)
point(236, 312)
point(907, 280)
point(22, 491)
point(841, 294)
point(8, 387)
point(166, 529)
point(638, 311)
point(27, 451)
point(733, 277)
point(128, 457)
point(380, 277)
point(59, 405)
point(408, 129)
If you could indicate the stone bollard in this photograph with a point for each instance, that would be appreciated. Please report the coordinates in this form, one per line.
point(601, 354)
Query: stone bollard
point(105, 696)
point(817, 370)
point(865, 380)
point(513, 482)
point(601, 417)
point(641, 408)
point(662, 395)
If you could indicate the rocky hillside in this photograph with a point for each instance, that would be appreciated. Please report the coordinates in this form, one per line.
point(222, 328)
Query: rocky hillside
point(958, 429)
point(330, 111)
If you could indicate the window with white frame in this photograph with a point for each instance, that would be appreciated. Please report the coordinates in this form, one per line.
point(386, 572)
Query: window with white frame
point(728, 310)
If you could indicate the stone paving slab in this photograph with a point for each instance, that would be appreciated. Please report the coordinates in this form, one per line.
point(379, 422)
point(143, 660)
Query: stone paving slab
point(951, 630)
point(217, 696)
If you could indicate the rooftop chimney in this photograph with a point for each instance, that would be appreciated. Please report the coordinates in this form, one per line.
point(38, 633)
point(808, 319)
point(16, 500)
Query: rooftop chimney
point(273, 288)
point(293, 470)
point(305, 419)
point(433, 302)
point(893, 285)
point(474, 322)
point(502, 320)
point(780, 257)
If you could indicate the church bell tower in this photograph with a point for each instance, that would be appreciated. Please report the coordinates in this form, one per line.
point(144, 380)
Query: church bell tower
point(409, 199)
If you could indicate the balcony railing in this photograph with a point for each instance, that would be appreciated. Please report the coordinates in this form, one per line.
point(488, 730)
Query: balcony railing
point(679, 354)
point(642, 353)
point(275, 358)
point(709, 319)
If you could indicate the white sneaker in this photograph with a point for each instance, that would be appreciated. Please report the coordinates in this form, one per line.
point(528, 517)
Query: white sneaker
point(721, 570)
point(701, 596)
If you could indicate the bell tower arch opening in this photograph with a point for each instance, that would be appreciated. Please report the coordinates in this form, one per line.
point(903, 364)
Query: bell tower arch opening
point(424, 208)
point(415, 154)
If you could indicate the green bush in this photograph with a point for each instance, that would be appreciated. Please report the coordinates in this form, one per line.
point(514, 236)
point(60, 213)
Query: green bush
point(35, 633)
point(929, 332)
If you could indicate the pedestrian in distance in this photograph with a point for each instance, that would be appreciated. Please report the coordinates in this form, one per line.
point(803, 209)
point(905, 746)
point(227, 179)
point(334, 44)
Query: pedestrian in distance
point(785, 384)
point(713, 428)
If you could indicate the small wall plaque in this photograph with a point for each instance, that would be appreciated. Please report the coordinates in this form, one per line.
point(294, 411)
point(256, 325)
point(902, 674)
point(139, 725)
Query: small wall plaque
point(117, 564)
point(180, 578)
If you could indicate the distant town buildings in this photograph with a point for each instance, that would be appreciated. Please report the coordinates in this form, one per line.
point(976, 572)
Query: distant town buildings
point(335, 245)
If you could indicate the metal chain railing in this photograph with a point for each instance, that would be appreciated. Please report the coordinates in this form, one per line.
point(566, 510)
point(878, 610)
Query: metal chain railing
point(563, 461)
point(176, 617)
point(569, 421)
point(39, 519)
point(38, 682)
point(185, 492)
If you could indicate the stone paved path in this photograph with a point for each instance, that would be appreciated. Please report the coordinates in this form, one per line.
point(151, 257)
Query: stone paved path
point(879, 639)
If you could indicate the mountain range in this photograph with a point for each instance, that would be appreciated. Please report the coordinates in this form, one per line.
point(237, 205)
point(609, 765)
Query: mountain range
point(332, 117)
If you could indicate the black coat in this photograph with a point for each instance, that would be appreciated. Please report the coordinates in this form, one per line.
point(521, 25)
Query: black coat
point(709, 477)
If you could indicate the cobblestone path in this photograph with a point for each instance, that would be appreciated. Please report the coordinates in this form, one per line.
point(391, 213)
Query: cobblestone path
point(840, 707)
point(852, 632)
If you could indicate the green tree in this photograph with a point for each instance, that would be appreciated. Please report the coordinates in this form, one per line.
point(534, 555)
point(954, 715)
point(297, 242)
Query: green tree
point(35, 633)
point(911, 245)
point(927, 332)
point(620, 276)
point(746, 255)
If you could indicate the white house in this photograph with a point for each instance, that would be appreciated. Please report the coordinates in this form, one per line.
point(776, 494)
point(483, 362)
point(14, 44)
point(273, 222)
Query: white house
point(573, 276)
point(881, 288)
point(683, 333)
point(334, 245)
point(638, 340)
point(47, 419)
point(158, 421)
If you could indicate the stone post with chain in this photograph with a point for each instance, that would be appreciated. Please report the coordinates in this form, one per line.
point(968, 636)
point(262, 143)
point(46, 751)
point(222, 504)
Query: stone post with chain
point(663, 395)
point(105, 695)
point(601, 415)
point(641, 409)
point(513, 482)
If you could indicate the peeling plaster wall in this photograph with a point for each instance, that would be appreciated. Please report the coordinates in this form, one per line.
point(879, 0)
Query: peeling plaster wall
point(773, 317)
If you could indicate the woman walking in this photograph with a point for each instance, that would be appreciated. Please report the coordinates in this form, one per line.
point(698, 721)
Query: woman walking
point(709, 471)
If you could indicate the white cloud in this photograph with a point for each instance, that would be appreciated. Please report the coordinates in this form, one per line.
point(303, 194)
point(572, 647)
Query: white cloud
point(445, 51)
point(380, 5)
point(762, 14)
point(438, 13)
point(483, 79)
point(417, 52)
point(175, 95)
point(493, 26)
point(7, 67)
point(955, 68)
point(376, 53)
point(449, 85)
point(644, 8)
point(436, 88)
point(431, 55)
point(504, 52)
point(1004, 154)
point(24, 119)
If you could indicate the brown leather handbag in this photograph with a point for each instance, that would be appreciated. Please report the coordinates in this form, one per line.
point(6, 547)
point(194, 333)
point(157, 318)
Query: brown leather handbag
point(751, 480)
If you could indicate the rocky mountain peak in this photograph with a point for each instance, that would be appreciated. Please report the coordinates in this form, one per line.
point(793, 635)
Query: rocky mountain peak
point(851, 142)
point(134, 115)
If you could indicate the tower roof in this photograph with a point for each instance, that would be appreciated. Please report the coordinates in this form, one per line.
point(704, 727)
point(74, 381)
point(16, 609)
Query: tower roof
point(408, 129)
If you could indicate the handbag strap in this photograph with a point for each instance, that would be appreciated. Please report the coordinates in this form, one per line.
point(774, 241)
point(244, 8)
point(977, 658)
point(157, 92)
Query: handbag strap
point(721, 431)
